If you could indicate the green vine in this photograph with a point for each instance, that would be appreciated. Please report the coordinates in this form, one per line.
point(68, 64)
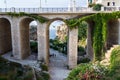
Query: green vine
point(99, 36)
point(36, 17)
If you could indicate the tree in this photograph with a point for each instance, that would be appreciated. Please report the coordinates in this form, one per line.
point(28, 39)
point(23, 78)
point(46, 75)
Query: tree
point(82, 31)
point(97, 7)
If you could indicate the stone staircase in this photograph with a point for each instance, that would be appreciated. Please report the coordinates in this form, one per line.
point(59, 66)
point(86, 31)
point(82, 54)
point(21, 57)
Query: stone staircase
point(106, 61)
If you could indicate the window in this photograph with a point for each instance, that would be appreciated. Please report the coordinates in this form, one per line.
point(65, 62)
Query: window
point(113, 3)
point(108, 4)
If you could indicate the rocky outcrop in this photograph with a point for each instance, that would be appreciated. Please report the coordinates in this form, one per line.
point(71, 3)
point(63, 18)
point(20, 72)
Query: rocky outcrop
point(62, 32)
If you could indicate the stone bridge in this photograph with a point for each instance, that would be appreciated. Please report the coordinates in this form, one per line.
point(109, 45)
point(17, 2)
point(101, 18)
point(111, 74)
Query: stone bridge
point(14, 35)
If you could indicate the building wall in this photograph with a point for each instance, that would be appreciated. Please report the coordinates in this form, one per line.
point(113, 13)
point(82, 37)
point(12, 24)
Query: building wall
point(109, 2)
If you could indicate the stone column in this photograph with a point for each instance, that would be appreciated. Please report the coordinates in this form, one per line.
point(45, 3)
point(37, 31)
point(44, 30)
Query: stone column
point(15, 38)
point(42, 42)
point(89, 41)
point(72, 48)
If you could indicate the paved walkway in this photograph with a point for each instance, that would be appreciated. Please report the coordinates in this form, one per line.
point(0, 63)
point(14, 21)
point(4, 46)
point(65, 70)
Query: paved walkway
point(31, 60)
point(58, 66)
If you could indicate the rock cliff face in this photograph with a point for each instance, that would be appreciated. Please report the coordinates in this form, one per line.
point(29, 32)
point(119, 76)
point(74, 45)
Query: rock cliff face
point(62, 32)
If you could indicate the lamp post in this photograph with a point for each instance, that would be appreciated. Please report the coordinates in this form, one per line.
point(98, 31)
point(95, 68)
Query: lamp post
point(74, 5)
point(40, 6)
point(5, 4)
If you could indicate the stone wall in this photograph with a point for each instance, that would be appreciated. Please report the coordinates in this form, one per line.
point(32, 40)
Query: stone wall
point(116, 2)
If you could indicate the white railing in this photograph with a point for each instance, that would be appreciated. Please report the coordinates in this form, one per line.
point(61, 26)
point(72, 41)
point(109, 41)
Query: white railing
point(46, 10)
point(108, 8)
point(56, 10)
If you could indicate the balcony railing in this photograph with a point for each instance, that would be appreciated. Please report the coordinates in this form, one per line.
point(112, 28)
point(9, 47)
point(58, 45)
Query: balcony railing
point(108, 8)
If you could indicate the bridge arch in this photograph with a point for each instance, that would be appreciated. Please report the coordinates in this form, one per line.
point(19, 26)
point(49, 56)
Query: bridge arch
point(24, 25)
point(5, 35)
point(48, 31)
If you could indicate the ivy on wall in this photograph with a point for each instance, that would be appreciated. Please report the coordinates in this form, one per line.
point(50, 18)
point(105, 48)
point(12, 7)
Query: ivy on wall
point(99, 35)
point(36, 17)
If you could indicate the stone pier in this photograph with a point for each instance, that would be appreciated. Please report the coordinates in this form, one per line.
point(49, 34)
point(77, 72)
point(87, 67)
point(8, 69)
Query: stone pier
point(72, 48)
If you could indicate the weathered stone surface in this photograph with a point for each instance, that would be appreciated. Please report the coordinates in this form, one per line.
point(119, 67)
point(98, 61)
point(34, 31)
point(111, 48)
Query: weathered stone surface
point(42, 42)
point(89, 40)
point(72, 48)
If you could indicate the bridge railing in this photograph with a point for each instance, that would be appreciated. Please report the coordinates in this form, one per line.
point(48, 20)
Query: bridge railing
point(56, 10)
point(45, 10)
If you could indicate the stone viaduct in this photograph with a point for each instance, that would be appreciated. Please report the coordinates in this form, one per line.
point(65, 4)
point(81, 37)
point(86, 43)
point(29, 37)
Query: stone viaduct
point(14, 36)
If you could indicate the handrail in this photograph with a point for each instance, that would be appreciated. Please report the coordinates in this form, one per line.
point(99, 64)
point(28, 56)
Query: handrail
point(57, 10)
point(45, 10)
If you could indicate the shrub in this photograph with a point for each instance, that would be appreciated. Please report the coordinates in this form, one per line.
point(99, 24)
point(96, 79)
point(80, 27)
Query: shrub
point(43, 76)
point(13, 71)
point(115, 65)
point(83, 60)
point(28, 76)
point(81, 49)
point(34, 46)
point(87, 72)
point(97, 7)
point(91, 5)
point(3, 77)
point(115, 58)
point(44, 67)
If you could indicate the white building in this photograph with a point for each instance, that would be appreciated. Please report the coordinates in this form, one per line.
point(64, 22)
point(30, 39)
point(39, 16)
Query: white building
point(109, 3)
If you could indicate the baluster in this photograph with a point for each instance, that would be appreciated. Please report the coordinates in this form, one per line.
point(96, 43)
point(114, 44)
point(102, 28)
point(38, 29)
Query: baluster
point(0, 10)
point(23, 9)
point(18, 9)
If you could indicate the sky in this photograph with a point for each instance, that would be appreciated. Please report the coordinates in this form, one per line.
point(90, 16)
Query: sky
point(36, 3)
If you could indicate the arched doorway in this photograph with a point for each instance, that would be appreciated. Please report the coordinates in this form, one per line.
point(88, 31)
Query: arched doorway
point(25, 37)
point(5, 36)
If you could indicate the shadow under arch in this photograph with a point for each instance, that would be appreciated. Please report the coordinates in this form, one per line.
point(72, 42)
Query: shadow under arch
point(89, 50)
point(24, 25)
point(5, 36)
point(113, 31)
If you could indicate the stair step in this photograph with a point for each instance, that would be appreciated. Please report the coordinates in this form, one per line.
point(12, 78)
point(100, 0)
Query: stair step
point(109, 51)
point(111, 48)
point(106, 61)
point(115, 45)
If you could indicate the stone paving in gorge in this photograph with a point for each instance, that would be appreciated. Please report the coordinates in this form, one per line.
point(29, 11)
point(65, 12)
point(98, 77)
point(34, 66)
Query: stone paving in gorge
point(57, 66)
